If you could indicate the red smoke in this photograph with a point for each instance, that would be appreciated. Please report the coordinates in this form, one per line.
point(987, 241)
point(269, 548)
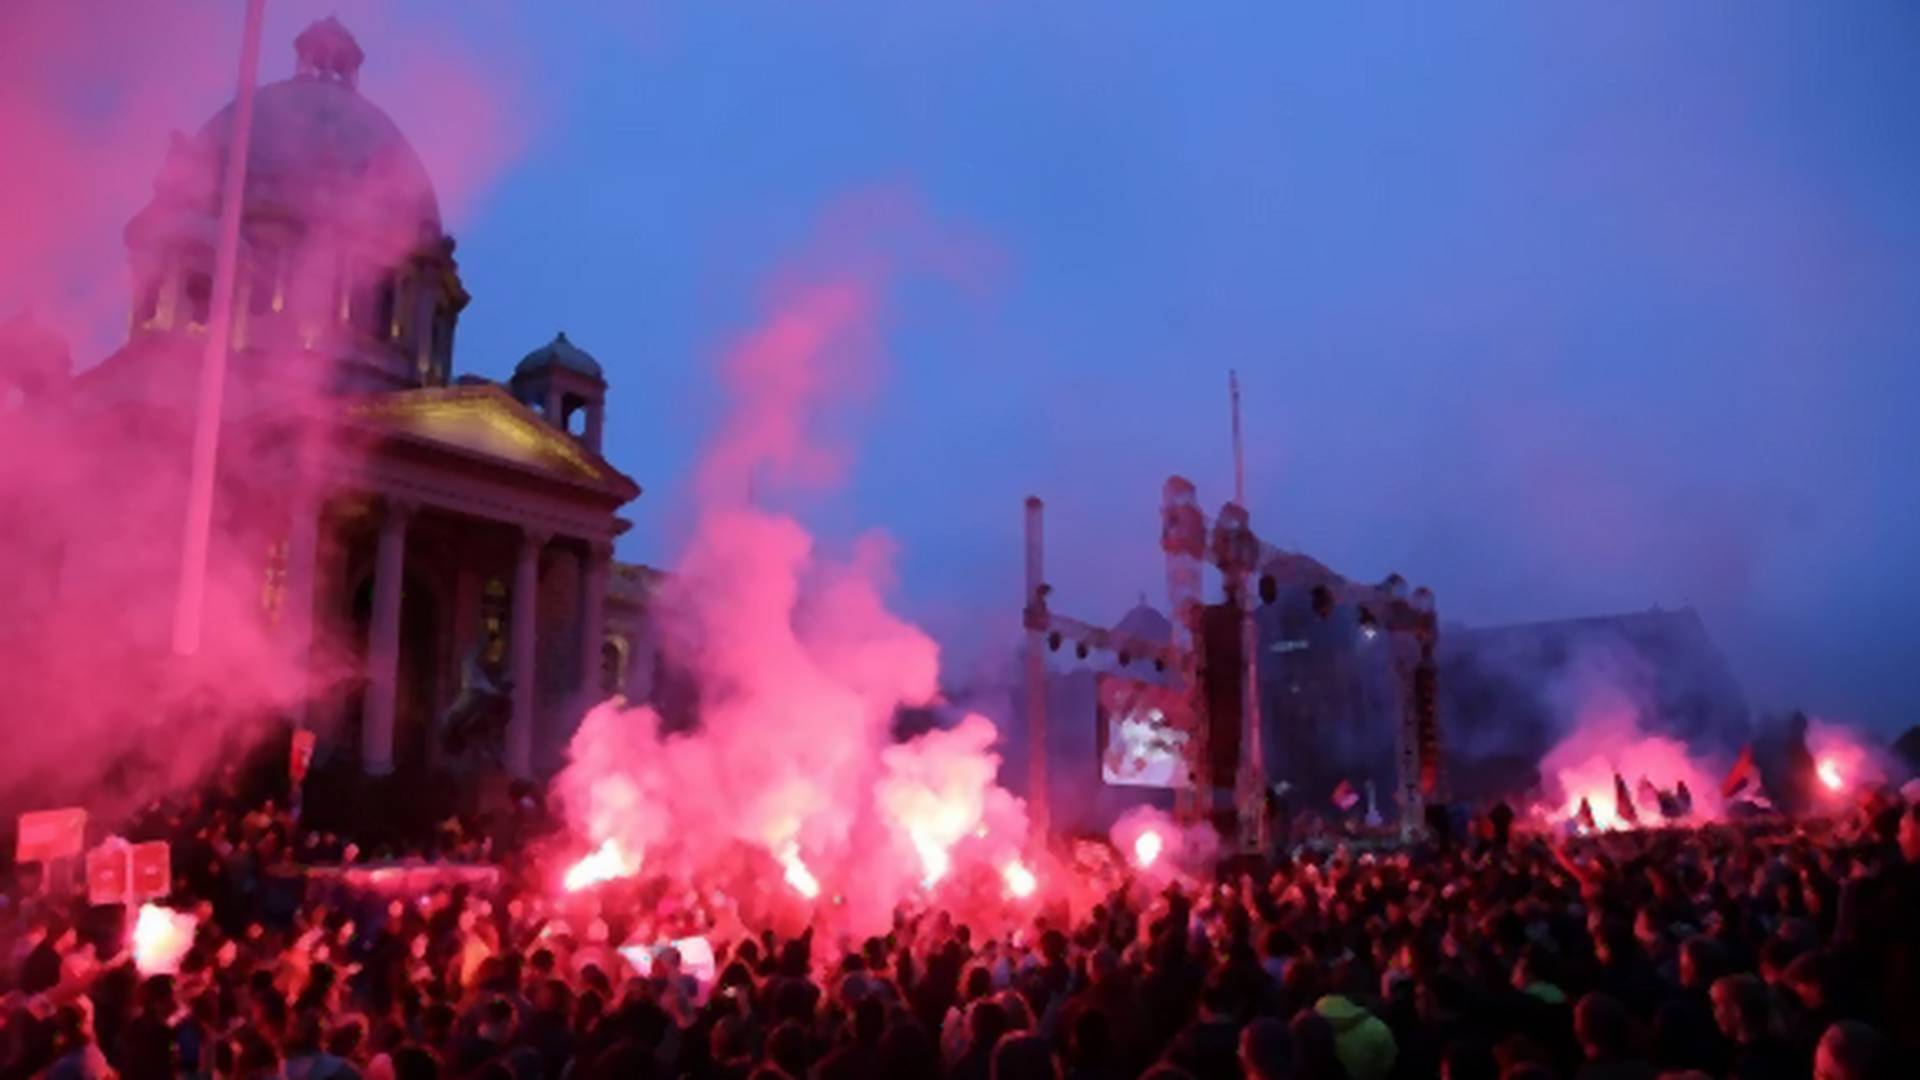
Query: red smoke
point(1844, 764)
point(1608, 740)
point(801, 666)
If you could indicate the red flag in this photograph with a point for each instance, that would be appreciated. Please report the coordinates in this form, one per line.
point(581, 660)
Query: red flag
point(1623, 806)
point(1743, 774)
point(300, 755)
point(1584, 818)
point(1345, 797)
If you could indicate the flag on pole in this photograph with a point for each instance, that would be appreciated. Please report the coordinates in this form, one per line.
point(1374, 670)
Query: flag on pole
point(1623, 802)
point(1584, 818)
point(1345, 797)
point(1683, 798)
point(1743, 774)
point(1670, 805)
point(1646, 793)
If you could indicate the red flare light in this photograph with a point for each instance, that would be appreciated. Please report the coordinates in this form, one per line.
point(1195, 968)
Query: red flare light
point(161, 938)
point(1146, 848)
point(607, 862)
point(1020, 881)
point(1830, 775)
point(798, 875)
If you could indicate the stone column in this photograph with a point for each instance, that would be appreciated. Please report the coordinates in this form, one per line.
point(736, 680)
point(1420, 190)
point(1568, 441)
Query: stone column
point(596, 418)
point(526, 616)
point(596, 560)
point(296, 620)
point(383, 642)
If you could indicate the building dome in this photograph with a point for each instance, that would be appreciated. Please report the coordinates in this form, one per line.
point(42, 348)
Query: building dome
point(560, 353)
point(1147, 624)
point(318, 146)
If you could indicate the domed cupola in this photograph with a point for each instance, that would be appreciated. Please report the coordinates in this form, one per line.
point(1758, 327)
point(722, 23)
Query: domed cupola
point(343, 256)
point(327, 51)
point(564, 384)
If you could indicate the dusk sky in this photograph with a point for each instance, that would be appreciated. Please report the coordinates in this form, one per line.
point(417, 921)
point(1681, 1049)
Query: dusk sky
point(1558, 309)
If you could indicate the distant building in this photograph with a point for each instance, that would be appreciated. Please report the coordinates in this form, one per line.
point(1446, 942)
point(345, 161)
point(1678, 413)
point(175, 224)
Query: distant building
point(1508, 693)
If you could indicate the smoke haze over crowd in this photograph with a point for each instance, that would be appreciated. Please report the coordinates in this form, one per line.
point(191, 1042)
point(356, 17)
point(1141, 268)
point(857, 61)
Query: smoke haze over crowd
point(1558, 312)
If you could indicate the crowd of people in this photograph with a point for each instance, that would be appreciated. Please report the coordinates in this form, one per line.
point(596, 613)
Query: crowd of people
point(1758, 951)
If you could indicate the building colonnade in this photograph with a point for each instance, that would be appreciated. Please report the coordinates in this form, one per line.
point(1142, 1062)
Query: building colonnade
point(382, 669)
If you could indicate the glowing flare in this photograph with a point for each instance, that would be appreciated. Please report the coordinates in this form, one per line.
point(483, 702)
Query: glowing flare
point(1020, 880)
point(1146, 848)
point(798, 875)
point(1830, 775)
point(607, 862)
point(161, 938)
point(934, 860)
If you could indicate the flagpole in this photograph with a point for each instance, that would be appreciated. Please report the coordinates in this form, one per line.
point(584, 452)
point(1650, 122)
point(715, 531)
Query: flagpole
point(191, 599)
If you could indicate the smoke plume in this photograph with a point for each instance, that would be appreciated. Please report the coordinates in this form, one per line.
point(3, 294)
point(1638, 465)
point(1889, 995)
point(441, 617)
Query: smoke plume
point(800, 664)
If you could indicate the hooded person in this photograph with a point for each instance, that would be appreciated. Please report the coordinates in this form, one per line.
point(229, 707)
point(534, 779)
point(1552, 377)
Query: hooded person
point(1362, 1040)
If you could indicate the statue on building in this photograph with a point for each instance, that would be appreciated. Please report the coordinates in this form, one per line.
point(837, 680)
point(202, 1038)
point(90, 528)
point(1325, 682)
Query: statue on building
point(474, 726)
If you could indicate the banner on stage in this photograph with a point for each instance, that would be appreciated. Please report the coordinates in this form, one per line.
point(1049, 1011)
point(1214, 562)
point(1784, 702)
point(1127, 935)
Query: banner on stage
point(1144, 733)
point(46, 835)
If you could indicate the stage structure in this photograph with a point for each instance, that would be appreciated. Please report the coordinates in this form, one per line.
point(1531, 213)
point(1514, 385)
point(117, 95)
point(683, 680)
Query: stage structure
point(1197, 714)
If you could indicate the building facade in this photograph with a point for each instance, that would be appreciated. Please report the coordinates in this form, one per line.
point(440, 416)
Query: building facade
point(433, 550)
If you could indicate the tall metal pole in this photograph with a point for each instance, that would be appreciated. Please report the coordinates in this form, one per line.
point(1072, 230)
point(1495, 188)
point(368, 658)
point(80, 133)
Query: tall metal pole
point(1035, 617)
point(1253, 767)
point(191, 599)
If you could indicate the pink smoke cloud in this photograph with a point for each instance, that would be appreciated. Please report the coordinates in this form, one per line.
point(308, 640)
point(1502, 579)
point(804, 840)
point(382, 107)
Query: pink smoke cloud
point(800, 662)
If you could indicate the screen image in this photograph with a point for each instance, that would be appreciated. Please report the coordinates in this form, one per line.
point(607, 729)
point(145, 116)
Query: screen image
point(1144, 732)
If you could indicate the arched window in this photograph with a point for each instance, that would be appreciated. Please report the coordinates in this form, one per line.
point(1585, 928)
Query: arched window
point(146, 308)
point(386, 296)
point(495, 606)
point(613, 664)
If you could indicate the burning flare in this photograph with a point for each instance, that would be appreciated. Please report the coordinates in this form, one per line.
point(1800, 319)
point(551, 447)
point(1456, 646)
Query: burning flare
point(1831, 777)
point(606, 863)
point(1020, 881)
point(798, 875)
point(1146, 848)
point(161, 938)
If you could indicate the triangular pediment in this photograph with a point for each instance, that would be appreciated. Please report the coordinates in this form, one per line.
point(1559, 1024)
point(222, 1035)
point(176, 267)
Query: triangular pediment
point(486, 422)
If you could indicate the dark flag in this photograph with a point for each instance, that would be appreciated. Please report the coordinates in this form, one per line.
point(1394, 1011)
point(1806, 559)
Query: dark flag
point(1743, 775)
point(1584, 818)
point(1669, 805)
point(1683, 798)
point(1623, 802)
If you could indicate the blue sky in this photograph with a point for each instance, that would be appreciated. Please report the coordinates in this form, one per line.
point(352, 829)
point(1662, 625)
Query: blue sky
point(1560, 309)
